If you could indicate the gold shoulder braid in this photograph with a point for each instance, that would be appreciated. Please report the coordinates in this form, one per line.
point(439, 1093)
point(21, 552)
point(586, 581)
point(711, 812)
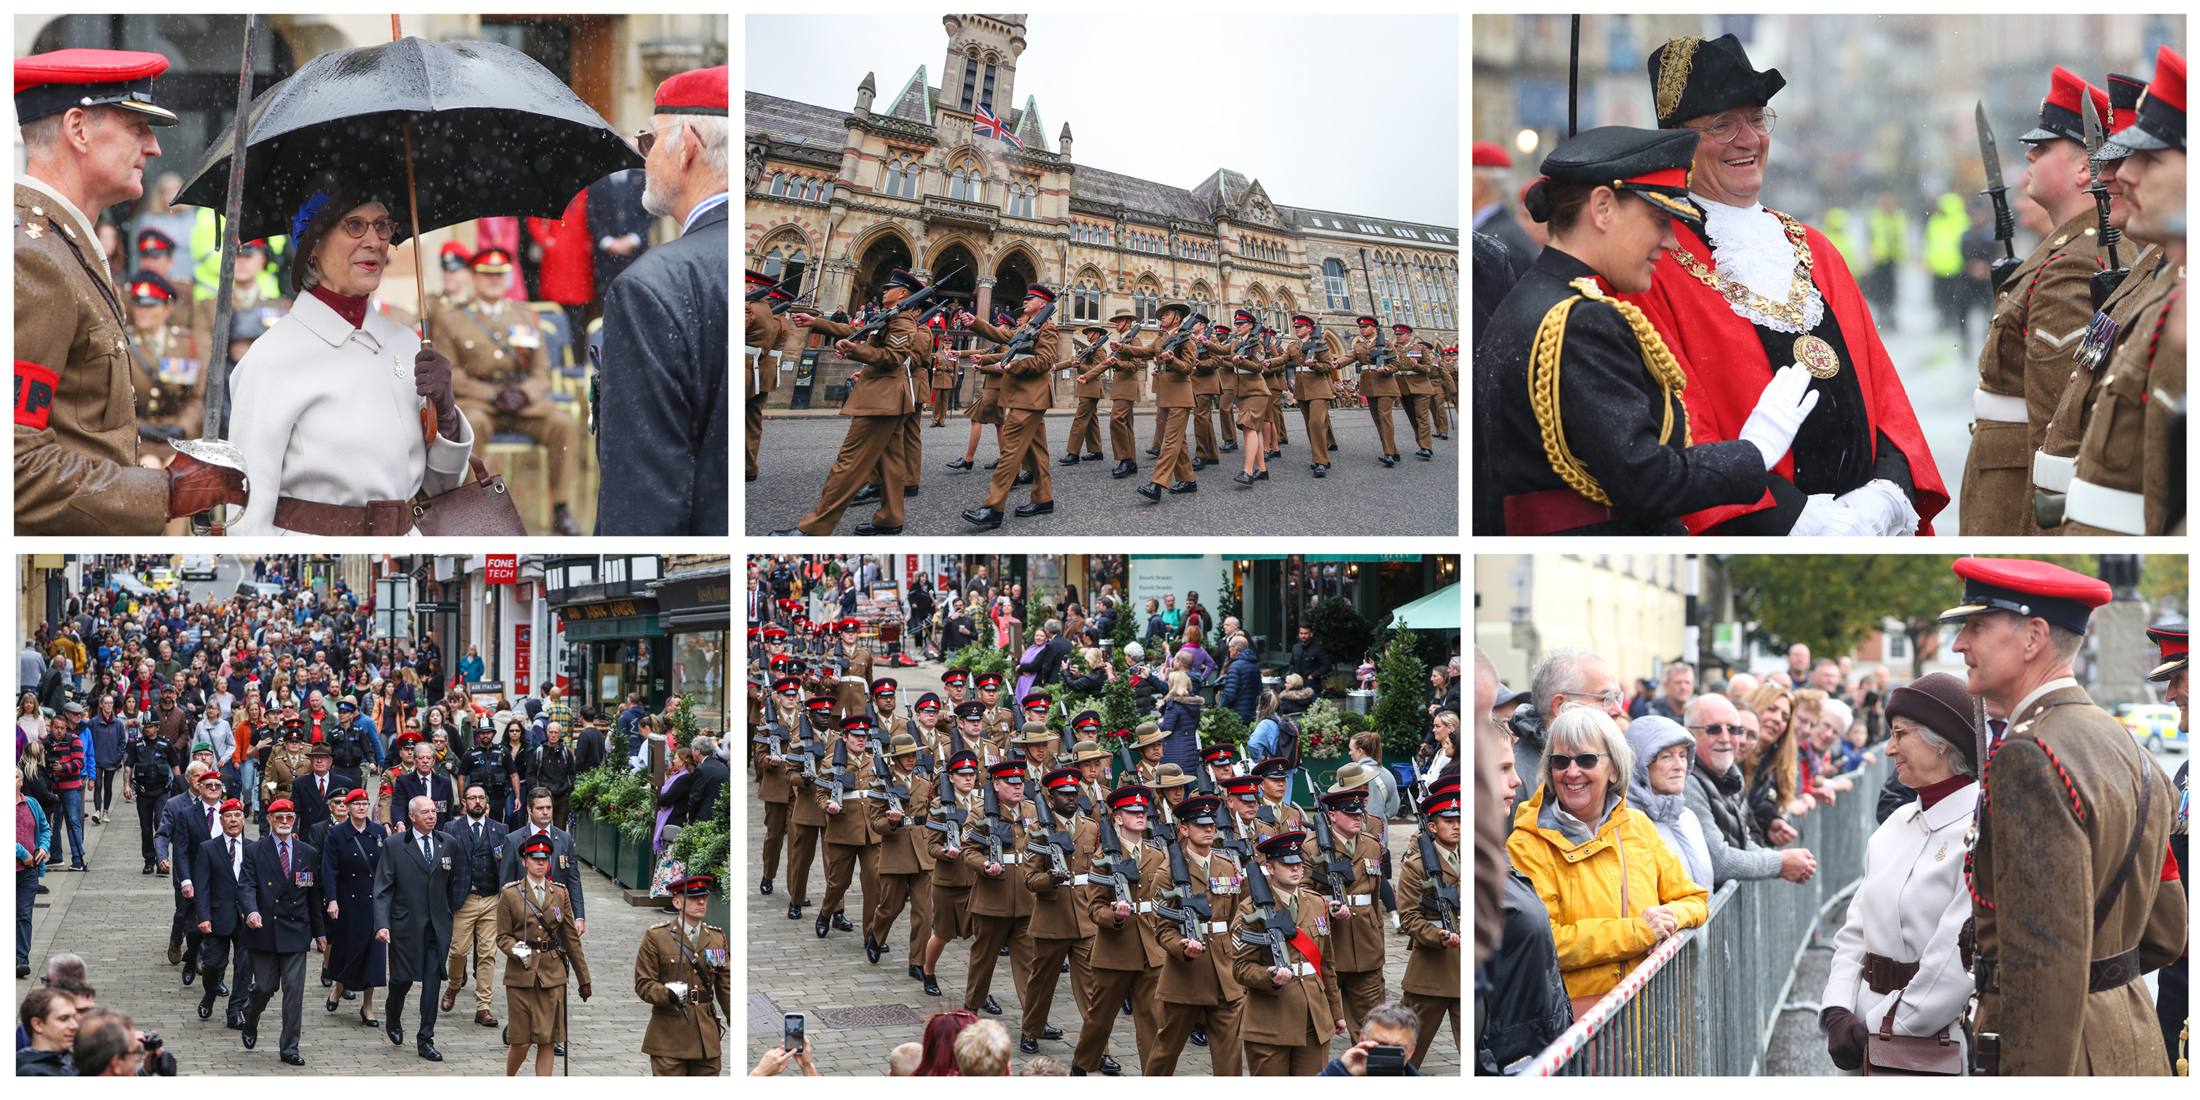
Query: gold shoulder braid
point(1550, 339)
point(1680, 56)
point(1815, 354)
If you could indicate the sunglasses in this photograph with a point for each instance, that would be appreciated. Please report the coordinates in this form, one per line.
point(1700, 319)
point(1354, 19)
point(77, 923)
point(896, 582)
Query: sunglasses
point(645, 140)
point(357, 227)
point(1584, 761)
point(1717, 730)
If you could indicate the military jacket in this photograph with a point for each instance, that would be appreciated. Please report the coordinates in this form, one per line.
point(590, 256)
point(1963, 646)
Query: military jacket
point(684, 1026)
point(167, 373)
point(2124, 484)
point(1028, 383)
point(1303, 1011)
point(492, 346)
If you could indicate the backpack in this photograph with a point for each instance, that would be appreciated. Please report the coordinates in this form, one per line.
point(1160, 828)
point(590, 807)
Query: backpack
point(1287, 738)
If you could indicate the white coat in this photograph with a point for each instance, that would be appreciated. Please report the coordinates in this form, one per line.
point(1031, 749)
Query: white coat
point(1910, 908)
point(326, 412)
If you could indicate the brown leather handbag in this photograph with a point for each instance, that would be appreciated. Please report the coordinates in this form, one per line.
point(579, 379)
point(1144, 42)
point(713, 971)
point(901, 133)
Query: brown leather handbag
point(1889, 1055)
point(479, 507)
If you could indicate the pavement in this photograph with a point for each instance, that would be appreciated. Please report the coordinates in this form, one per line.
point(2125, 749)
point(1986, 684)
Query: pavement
point(1414, 498)
point(118, 919)
point(855, 1013)
point(1939, 369)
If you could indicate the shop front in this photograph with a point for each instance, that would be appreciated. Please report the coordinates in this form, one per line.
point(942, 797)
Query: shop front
point(614, 647)
point(695, 612)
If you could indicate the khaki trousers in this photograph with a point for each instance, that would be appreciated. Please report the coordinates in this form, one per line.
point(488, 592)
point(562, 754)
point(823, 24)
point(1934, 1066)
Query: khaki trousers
point(1417, 413)
point(1023, 446)
point(801, 856)
point(1432, 1011)
point(1438, 418)
point(1362, 993)
point(1175, 463)
point(840, 866)
point(1109, 988)
point(475, 923)
point(1037, 993)
point(939, 406)
point(1080, 976)
point(1263, 1060)
point(1379, 408)
point(756, 429)
point(775, 836)
point(1222, 1020)
point(985, 951)
point(545, 424)
point(871, 443)
point(1084, 428)
point(894, 891)
point(1121, 438)
point(1319, 434)
point(682, 1067)
point(1279, 430)
point(1226, 408)
point(1205, 407)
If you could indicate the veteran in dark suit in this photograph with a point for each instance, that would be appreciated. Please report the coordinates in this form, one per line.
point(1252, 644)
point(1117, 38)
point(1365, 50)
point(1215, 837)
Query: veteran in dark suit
point(281, 898)
point(218, 902)
point(419, 882)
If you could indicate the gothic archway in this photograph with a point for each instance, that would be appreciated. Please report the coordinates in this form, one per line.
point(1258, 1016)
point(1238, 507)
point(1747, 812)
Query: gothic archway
point(957, 270)
point(1011, 277)
point(879, 261)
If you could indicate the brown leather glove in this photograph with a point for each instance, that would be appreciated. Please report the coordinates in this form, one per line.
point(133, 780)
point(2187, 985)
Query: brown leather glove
point(195, 486)
point(511, 399)
point(1845, 1035)
point(432, 380)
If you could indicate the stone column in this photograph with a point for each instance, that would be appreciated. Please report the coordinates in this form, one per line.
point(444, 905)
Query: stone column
point(984, 304)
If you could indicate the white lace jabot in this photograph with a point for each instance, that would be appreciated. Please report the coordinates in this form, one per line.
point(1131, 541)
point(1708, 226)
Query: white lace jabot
point(1750, 246)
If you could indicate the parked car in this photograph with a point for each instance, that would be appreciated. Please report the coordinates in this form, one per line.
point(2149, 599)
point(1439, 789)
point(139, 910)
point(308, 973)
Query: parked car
point(260, 588)
point(2152, 723)
point(129, 585)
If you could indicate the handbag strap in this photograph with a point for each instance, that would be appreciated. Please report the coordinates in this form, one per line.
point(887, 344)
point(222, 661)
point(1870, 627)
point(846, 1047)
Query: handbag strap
point(2107, 900)
point(480, 472)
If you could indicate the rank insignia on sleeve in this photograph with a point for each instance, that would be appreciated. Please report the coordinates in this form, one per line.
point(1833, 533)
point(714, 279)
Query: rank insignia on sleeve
point(901, 339)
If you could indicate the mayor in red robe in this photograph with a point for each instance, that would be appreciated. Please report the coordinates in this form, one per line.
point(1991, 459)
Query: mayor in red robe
point(1860, 465)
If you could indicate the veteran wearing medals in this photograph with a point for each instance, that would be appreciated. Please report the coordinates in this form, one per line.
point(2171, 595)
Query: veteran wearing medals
point(503, 378)
point(87, 119)
point(1754, 290)
point(535, 930)
point(2068, 905)
point(164, 369)
point(1596, 437)
point(684, 971)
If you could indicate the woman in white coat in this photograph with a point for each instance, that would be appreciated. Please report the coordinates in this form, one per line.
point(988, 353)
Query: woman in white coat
point(1895, 963)
point(328, 402)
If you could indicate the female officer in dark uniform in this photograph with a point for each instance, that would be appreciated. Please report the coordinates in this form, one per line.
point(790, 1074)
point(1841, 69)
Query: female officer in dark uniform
point(1591, 434)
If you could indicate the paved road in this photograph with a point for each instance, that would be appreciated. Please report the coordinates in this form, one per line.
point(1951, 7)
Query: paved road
point(791, 970)
point(117, 919)
point(1939, 369)
point(1415, 498)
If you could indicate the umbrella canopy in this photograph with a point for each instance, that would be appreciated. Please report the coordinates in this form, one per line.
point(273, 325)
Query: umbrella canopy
point(493, 133)
point(1439, 610)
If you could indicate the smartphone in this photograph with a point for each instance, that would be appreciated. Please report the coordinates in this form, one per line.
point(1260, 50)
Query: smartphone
point(790, 1032)
point(1386, 1061)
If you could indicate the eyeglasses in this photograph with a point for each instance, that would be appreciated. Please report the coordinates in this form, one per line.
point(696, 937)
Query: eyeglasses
point(1717, 730)
point(357, 227)
point(645, 140)
point(1584, 761)
point(1725, 128)
point(1609, 699)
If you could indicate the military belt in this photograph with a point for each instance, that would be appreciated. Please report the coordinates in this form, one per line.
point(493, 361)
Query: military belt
point(2102, 975)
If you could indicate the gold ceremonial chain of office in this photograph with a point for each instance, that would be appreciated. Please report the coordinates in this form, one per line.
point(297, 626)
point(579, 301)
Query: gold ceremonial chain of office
point(1815, 354)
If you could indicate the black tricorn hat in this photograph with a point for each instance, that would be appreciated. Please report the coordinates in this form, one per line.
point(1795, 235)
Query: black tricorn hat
point(1690, 77)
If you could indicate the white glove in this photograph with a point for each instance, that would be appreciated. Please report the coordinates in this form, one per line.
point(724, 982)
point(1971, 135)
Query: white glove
point(1822, 515)
point(1780, 411)
point(679, 989)
point(521, 950)
point(1882, 503)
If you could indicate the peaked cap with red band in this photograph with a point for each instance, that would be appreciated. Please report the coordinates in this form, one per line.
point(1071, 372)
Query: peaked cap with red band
point(2174, 639)
point(2032, 589)
point(2062, 113)
point(2159, 120)
point(50, 83)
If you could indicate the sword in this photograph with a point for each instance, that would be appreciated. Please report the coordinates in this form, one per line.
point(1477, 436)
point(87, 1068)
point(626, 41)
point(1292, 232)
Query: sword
point(2105, 281)
point(2005, 223)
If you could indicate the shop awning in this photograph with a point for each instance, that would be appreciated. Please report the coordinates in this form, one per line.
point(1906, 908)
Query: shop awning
point(1363, 557)
point(1439, 610)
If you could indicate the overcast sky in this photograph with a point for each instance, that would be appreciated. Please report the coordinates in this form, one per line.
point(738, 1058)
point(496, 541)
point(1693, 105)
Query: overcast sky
point(1295, 102)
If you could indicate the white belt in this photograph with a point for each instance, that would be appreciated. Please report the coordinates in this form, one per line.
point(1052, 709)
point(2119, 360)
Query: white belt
point(1304, 970)
point(1999, 407)
point(2052, 472)
point(1008, 858)
point(1215, 926)
point(752, 351)
point(1360, 899)
point(859, 794)
point(2115, 509)
point(855, 680)
point(1079, 880)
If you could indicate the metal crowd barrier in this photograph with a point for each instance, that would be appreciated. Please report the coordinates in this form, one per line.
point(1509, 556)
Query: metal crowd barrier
point(1704, 1002)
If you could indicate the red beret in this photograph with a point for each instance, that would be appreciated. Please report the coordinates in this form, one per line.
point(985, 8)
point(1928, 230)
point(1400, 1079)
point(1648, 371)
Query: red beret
point(1489, 154)
point(695, 92)
point(356, 796)
point(229, 804)
point(281, 806)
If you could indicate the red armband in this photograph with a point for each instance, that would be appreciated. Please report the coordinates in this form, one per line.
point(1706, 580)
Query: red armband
point(34, 390)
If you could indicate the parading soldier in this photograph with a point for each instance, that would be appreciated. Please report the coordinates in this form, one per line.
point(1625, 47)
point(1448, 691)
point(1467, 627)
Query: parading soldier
point(2173, 1007)
point(951, 879)
point(1000, 900)
point(970, 725)
point(955, 686)
point(854, 687)
point(1028, 748)
point(684, 971)
point(775, 777)
point(1379, 385)
point(882, 397)
point(806, 814)
point(2039, 321)
point(930, 734)
point(164, 366)
point(1125, 386)
point(1446, 374)
point(1000, 721)
point(942, 376)
point(1091, 762)
point(1027, 392)
point(502, 376)
point(903, 871)
point(884, 722)
point(535, 931)
point(1207, 375)
point(86, 117)
point(1278, 381)
point(1416, 383)
point(1172, 386)
point(1431, 986)
point(1060, 921)
point(1356, 925)
point(1276, 812)
point(908, 441)
point(1216, 350)
point(1256, 402)
point(1199, 993)
point(1126, 958)
point(1089, 381)
point(762, 357)
point(1315, 388)
point(1291, 1011)
point(852, 832)
point(2068, 906)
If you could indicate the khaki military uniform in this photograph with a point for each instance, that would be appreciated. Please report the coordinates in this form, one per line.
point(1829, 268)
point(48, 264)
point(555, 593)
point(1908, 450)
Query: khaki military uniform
point(282, 770)
point(1207, 376)
point(1256, 404)
point(2064, 927)
point(498, 345)
point(903, 871)
point(1447, 382)
point(2039, 320)
point(882, 399)
point(1279, 386)
point(852, 835)
point(683, 1035)
point(943, 384)
point(1217, 348)
point(167, 372)
point(1172, 388)
point(2056, 463)
point(775, 786)
point(951, 878)
point(1204, 990)
point(1125, 390)
point(1126, 958)
point(1000, 905)
point(1431, 983)
point(1356, 942)
point(1027, 392)
point(76, 445)
point(807, 817)
point(852, 688)
point(1059, 922)
point(1417, 385)
point(761, 359)
point(1271, 818)
point(243, 300)
point(1380, 388)
point(1088, 382)
point(908, 440)
point(1287, 1027)
point(2124, 484)
point(534, 987)
point(1315, 389)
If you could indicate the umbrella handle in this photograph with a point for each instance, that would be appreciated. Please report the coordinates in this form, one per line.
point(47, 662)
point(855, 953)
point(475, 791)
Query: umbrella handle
point(420, 275)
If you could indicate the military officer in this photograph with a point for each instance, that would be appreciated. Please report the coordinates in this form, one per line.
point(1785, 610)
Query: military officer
point(775, 777)
point(458, 285)
point(86, 117)
point(1292, 1008)
point(684, 971)
point(1026, 395)
point(535, 931)
point(854, 685)
point(1060, 921)
point(1124, 391)
point(289, 762)
point(1416, 383)
point(1173, 353)
point(1431, 985)
point(1126, 958)
point(1378, 384)
point(1314, 388)
point(902, 868)
point(1000, 721)
point(951, 879)
point(2130, 474)
point(1255, 399)
point(852, 832)
point(805, 813)
point(255, 302)
point(502, 380)
point(1089, 379)
point(1356, 925)
point(1199, 992)
point(1000, 901)
point(1275, 811)
point(943, 376)
point(164, 369)
point(882, 398)
point(1207, 374)
point(1446, 374)
point(763, 334)
point(2039, 319)
point(2074, 818)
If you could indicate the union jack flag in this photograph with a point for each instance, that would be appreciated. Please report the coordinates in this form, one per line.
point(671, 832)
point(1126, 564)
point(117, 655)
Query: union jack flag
point(986, 122)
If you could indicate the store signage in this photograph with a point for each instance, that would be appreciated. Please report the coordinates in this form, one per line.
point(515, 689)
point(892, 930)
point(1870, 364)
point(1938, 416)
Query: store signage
point(612, 610)
point(523, 653)
point(503, 568)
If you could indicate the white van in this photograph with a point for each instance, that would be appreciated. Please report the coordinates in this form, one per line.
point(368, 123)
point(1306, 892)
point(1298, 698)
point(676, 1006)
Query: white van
point(198, 567)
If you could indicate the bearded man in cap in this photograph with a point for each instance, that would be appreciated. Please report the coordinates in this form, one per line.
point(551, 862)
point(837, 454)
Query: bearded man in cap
point(2068, 903)
point(663, 439)
point(1758, 290)
point(87, 118)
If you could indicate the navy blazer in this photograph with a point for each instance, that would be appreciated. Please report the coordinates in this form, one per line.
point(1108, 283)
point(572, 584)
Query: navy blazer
point(485, 864)
point(290, 907)
point(215, 895)
point(312, 808)
point(565, 867)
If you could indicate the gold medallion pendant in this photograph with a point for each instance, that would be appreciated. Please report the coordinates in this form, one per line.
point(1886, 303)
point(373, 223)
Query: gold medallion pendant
point(1817, 355)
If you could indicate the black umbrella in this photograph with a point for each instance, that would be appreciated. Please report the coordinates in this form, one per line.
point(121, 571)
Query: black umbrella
point(491, 131)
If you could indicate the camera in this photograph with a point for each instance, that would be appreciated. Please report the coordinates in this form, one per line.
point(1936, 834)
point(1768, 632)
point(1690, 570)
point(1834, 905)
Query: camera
point(1386, 1061)
point(155, 1061)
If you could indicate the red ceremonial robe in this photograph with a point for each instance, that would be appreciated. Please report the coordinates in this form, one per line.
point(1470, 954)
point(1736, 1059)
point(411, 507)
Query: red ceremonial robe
point(1725, 362)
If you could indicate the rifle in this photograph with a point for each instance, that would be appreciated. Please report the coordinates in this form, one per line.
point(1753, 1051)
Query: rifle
point(836, 781)
point(1435, 892)
point(1020, 341)
point(1192, 910)
point(2105, 281)
point(991, 834)
point(1278, 925)
point(948, 817)
point(1130, 763)
point(1334, 872)
point(1121, 870)
point(1382, 355)
point(1057, 842)
point(774, 737)
point(761, 292)
point(1309, 348)
point(1245, 344)
point(878, 324)
point(895, 792)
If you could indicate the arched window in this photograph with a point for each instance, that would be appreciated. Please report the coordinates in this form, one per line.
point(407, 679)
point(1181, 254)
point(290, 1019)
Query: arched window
point(1334, 282)
point(900, 177)
point(958, 183)
point(970, 79)
point(779, 183)
point(783, 255)
point(1085, 298)
point(809, 191)
point(1145, 302)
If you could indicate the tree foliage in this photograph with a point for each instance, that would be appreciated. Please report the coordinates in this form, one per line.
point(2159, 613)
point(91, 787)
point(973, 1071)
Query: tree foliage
point(1226, 594)
point(1401, 686)
point(1829, 602)
point(1342, 632)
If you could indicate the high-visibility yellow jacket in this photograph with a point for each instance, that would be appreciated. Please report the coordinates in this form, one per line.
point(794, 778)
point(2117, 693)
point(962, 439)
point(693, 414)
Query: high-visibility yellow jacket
point(1580, 884)
point(1944, 237)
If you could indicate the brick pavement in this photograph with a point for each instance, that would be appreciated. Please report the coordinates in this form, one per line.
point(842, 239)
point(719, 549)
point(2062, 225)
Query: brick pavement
point(791, 970)
point(117, 919)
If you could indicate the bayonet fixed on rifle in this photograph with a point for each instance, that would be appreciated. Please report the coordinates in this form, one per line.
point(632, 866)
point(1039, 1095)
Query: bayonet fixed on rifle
point(878, 323)
point(1278, 926)
point(2005, 223)
point(1056, 841)
point(2108, 279)
point(1180, 903)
